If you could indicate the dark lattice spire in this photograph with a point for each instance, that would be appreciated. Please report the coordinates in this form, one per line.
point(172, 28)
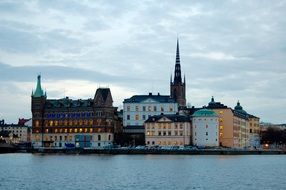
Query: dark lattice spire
point(177, 77)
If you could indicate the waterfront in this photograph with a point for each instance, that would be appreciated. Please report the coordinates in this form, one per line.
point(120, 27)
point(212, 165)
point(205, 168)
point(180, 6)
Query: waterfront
point(53, 171)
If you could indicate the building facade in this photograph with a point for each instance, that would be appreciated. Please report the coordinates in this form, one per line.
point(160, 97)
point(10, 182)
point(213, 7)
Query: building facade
point(138, 108)
point(168, 130)
point(205, 126)
point(233, 125)
point(15, 133)
point(177, 86)
point(67, 123)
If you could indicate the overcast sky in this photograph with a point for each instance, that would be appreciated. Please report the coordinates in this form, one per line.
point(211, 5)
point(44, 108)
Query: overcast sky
point(232, 50)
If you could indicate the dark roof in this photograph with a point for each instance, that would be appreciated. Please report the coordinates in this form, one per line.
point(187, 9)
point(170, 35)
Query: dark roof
point(104, 92)
point(68, 103)
point(158, 98)
point(240, 114)
point(252, 116)
point(172, 117)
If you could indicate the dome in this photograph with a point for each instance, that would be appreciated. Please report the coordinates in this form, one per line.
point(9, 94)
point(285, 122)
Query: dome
point(239, 108)
point(205, 113)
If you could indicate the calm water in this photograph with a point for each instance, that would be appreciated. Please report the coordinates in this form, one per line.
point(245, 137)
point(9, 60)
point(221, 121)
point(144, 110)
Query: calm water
point(35, 171)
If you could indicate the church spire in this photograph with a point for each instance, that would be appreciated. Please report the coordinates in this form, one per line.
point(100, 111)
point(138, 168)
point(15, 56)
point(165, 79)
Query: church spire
point(177, 77)
point(39, 91)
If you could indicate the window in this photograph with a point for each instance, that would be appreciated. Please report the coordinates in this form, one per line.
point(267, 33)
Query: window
point(91, 130)
point(155, 108)
point(136, 117)
point(75, 130)
point(143, 117)
point(128, 117)
point(128, 108)
point(207, 126)
point(162, 108)
point(250, 130)
point(60, 138)
point(176, 133)
point(98, 144)
point(51, 123)
point(109, 137)
point(169, 133)
point(144, 108)
point(159, 133)
point(171, 108)
point(149, 108)
point(164, 133)
point(37, 123)
point(148, 133)
point(99, 137)
point(207, 133)
point(56, 123)
point(221, 127)
point(148, 142)
point(153, 142)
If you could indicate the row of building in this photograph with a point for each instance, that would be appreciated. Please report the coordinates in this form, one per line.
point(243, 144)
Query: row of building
point(149, 119)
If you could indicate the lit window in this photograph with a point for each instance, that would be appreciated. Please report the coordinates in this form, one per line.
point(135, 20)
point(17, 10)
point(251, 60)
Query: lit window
point(70, 130)
point(65, 122)
point(80, 130)
point(90, 130)
point(85, 122)
point(80, 122)
point(66, 130)
point(136, 117)
point(51, 123)
point(148, 133)
point(90, 122)
point(220, 112)
point(70, 123)
point(37, 123)
point(221, 127)
point(56, 123)
point(75, 130)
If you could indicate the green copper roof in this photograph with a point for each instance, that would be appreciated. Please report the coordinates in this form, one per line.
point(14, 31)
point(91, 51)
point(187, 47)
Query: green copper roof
point(39, 91)
point(204, 113)
point(239, 108)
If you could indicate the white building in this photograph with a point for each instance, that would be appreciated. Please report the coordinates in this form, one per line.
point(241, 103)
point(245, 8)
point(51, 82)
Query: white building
point(205, 128)
point(138, 108)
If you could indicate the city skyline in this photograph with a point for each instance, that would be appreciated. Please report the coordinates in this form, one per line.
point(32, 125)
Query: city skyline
point(232, 51)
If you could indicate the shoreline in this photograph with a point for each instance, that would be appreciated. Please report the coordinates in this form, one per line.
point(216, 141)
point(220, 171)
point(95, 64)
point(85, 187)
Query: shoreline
point(146, 151)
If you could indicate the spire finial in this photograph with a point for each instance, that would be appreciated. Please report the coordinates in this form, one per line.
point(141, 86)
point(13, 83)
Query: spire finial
point(177, 77)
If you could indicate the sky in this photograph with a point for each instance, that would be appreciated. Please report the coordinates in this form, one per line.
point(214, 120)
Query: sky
point(232, 50)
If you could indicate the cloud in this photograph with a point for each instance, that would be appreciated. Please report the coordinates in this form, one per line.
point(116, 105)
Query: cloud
point(232, 50)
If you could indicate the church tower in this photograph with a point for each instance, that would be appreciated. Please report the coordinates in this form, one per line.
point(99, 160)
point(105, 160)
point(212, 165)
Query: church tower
point(177, 86)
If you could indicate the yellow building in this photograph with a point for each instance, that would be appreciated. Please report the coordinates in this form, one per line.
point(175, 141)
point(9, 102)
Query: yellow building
point(233, 125)
point(164, 130)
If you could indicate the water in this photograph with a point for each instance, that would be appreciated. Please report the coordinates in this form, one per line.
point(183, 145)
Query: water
point(35, 171)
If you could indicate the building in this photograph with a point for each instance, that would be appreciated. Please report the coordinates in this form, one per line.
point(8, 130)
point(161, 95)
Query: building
point(15, 133)
point(166, 130)
point(177, 86)
point(233, 124)
point(254, 131)
point(138, 108)
point(241, 126)
point(205, 128)
point(65, 123)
